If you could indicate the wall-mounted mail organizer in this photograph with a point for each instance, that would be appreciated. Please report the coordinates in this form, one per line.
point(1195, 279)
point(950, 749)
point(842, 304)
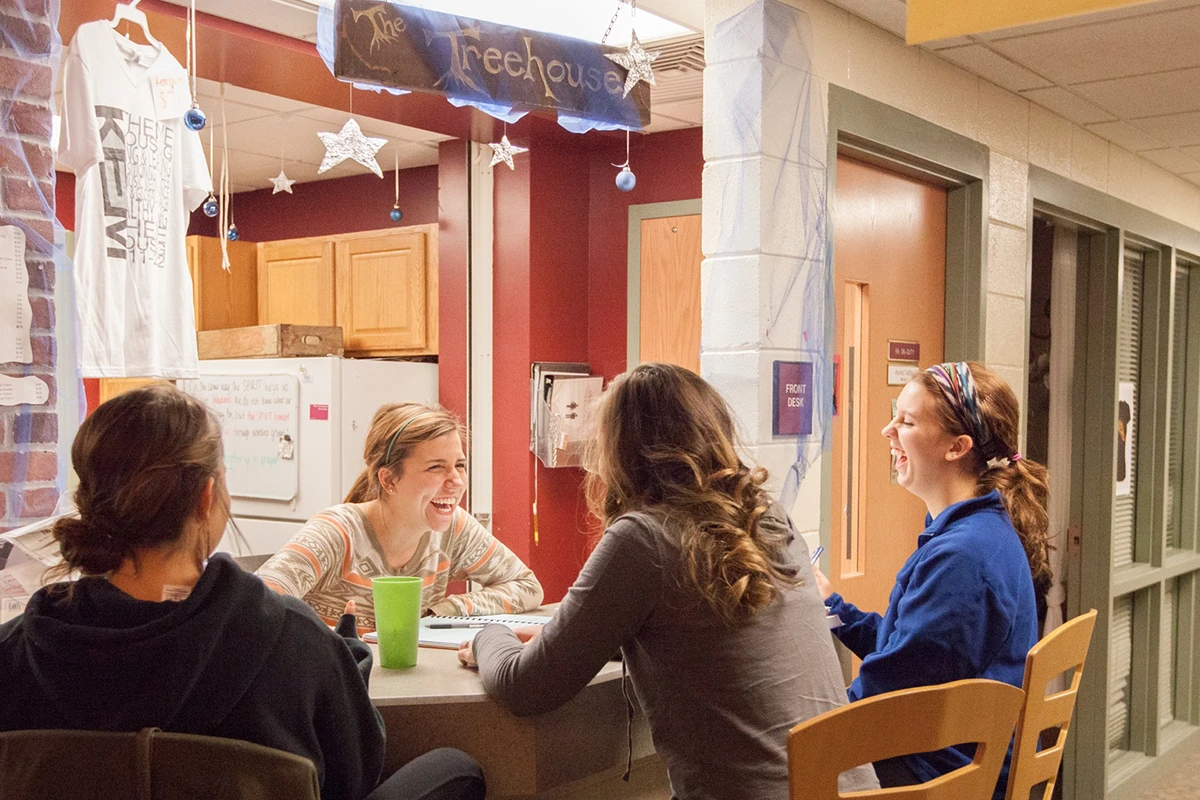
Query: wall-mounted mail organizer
point(561, 396)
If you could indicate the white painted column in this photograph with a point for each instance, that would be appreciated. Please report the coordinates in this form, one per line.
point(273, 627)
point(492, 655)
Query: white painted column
point(765, 285)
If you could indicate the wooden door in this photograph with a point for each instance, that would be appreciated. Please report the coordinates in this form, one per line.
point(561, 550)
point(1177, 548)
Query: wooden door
point(670, 291)
point(296, 282)
point(381, 288)
point(889, 284)
point(223, 298)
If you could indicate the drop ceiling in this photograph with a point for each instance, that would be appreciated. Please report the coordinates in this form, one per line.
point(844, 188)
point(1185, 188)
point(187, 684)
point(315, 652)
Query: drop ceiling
point(1131, 76)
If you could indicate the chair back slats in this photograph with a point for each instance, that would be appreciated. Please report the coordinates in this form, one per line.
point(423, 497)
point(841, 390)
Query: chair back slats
point(899, 723)
point(148, 765)
point(1064, 649)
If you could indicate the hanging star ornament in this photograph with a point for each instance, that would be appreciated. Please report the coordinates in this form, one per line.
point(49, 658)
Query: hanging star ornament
point(350, 143)
point(636, 61)
point(282, 183)
point(504, 150)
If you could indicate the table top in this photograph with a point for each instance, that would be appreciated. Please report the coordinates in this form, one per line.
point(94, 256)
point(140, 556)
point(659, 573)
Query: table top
point(438, 678)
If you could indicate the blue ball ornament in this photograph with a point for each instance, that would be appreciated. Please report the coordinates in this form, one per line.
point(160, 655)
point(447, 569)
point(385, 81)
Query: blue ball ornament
point(194, 118)
point(396, 214)
point(211, 207)
point(232, 234)
point(626, 180)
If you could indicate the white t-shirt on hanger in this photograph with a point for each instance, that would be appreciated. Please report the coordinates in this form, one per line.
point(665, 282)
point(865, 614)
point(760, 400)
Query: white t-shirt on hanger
point(139, 173)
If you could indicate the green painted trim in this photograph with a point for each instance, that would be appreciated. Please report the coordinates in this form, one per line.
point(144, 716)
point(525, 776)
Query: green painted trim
point(1190, 522)
point(1093, 478)
point(905, 143)
point(1053, 192)
point(633, 279)
point(1153, 413)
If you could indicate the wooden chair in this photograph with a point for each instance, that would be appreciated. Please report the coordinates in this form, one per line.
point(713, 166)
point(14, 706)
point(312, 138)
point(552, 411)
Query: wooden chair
point(148, 765)
point(1064, 649)
point(905, 722)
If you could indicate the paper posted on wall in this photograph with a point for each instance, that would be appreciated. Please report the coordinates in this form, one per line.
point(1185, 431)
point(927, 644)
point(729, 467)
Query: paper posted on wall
point(15, 311)
point(26, 554)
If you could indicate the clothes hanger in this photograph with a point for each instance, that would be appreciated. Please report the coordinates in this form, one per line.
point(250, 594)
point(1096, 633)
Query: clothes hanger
point(130, 12)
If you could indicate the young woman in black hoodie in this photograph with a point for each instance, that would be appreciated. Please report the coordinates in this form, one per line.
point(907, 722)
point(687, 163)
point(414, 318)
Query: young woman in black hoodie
point(158, 634)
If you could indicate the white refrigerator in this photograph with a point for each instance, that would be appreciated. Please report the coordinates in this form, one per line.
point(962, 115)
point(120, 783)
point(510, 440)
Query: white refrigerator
point(294, 431)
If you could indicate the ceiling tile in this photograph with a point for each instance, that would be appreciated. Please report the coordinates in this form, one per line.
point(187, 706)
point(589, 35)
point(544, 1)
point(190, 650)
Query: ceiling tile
point(1080, 20)
point(954, 41)
point(1125, 135)
point(1172, 160)
point(1146, 95)
point(887, 14)
point(689, 111)
point(246, 97)
point(994, 67)
point(1142, 44)
point(1175, 130)
point(1066, 104)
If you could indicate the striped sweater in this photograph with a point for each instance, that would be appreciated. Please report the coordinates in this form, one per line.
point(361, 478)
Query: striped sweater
point(334, 557)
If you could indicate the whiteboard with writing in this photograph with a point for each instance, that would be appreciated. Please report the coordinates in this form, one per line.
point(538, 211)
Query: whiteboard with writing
point(260, 424)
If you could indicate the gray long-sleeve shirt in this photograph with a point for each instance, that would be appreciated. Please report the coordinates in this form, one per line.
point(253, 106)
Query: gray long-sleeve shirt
point(720, 699)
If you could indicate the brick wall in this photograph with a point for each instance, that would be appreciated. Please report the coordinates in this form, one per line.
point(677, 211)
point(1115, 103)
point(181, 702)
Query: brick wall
point(29, 434)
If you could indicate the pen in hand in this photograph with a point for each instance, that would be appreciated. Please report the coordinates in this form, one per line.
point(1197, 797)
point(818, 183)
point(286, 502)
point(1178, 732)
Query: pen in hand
point(817, 554)
point(442, 626)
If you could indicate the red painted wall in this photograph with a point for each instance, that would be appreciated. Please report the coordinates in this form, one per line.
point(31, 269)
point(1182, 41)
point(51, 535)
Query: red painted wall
point(512, 463)
point(668, 167)
point(64, 199)
point(560, 295)
point(453, 201)
point(324, 208)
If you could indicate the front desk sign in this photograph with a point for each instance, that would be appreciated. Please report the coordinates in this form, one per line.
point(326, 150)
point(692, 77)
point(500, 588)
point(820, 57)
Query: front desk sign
point(793, 414)
point(397, 46)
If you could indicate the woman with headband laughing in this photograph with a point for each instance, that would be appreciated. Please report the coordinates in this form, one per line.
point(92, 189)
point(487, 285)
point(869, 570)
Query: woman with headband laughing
point(966, 603)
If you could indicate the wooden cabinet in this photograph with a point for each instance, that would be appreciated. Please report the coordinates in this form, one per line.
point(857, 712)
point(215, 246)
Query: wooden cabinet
point(379, 286)
point(223, 299)
point(296, 282)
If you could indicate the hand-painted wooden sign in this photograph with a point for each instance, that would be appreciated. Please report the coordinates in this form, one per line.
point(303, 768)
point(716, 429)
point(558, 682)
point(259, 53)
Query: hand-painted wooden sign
point(387, 44)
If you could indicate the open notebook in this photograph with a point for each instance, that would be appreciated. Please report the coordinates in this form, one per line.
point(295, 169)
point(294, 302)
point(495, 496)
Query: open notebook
point(449, 638)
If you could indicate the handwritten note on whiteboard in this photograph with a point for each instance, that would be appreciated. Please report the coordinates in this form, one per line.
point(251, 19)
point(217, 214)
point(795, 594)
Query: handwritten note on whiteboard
point(15, 312)
point(260, 424)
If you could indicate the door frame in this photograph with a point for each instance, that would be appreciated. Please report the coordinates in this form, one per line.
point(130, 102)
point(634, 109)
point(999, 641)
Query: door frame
point(1111, 224)
point(633, 316)
point(878, 134)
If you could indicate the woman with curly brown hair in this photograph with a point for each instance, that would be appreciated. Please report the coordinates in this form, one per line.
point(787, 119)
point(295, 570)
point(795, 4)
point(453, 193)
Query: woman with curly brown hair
point(700, 581)
point(966, 603)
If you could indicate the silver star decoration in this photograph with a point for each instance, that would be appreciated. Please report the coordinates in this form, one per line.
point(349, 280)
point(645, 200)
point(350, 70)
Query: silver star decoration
point(636, 60)
point(350, 143)
point(503, 150)
point(281, 182)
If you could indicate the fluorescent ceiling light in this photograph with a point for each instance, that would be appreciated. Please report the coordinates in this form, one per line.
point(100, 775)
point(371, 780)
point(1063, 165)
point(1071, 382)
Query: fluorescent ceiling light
point(583, 19)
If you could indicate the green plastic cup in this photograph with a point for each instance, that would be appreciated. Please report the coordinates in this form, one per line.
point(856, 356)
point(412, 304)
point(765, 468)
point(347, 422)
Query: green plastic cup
point(397, 620)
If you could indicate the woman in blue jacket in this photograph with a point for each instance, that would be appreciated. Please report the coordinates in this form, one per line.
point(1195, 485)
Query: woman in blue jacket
point(966, 603)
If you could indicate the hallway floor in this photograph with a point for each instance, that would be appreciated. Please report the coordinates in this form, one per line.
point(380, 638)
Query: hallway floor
point(1178, 780)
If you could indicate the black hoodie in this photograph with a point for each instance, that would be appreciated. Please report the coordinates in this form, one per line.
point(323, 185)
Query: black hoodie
point(234, 659)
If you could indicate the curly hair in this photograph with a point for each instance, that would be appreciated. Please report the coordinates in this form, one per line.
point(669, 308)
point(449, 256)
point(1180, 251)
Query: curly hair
point(666, 446)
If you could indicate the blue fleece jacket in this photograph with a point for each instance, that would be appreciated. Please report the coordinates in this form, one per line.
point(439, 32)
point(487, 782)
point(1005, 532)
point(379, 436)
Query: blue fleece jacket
point(963, 607)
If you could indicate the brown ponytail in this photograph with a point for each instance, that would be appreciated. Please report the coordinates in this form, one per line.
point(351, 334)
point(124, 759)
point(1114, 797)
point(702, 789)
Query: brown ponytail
point(1023, 484)
point(666, 446)
point(395, 430)
point(143, 459)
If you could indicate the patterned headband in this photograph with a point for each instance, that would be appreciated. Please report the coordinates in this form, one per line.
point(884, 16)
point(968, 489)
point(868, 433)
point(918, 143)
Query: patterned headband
point(958, 387)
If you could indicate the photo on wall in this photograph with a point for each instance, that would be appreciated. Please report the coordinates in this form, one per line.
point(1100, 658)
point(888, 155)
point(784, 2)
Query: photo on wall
point(1125, 438)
